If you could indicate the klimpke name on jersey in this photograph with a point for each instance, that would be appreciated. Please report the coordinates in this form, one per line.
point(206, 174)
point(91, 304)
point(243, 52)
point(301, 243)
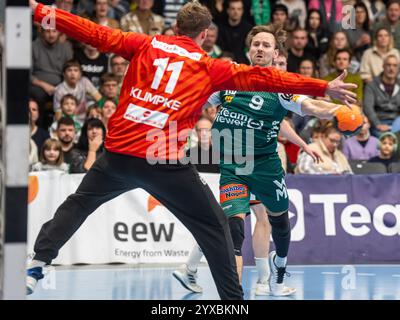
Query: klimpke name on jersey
point(238, 119)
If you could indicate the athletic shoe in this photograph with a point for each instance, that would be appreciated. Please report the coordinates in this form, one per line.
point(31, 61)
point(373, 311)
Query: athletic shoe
point(276, 281)
point(262, 289)
point(187, 279)
point(33, 275)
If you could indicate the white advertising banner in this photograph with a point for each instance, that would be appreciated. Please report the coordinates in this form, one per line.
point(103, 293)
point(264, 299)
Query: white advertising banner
point(132, 228)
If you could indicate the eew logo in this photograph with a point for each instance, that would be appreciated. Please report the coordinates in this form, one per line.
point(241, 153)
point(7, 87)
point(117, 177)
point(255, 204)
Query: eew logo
point(145, 231)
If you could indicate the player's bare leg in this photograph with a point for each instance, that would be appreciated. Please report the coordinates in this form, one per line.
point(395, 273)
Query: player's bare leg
point(261, 236)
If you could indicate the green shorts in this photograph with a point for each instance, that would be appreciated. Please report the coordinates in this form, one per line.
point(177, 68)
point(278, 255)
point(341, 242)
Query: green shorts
point(266, 182)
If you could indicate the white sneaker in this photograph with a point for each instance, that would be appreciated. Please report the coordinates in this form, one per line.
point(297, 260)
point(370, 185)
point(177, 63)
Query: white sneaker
point(187, 279)
point(276, 281)
point(262, 289)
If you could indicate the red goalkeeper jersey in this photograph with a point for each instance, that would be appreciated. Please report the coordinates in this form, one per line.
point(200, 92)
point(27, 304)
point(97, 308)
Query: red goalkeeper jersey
point(167, 82)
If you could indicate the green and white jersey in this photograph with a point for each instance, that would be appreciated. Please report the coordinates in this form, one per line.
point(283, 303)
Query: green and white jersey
point(251, 116)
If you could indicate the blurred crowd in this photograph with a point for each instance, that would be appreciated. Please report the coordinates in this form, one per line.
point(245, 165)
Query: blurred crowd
point(74, 88)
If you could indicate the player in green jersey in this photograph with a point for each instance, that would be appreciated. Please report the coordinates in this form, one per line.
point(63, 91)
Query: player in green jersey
point(258, 115)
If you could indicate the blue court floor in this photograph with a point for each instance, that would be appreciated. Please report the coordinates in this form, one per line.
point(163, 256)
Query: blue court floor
point(119, 282)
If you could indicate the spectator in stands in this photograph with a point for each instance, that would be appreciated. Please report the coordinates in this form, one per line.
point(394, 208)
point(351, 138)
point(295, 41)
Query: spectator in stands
point(280, 16)
point(117, 9)
point(38, 135)
point(382, 97)
point(66, 135)
point(210, 113)
point(334, 161)
point(33, 153)
point(48, 58)
point(297, 11)
point(387, 145)
point(94, 63)
point(108, 89)
point(308, 68)
point(201, 154)
point(361, 146)
point(331, 13)
point(51, 157)
point(318, 37)
point(372, 59)
point(218, 10)
point(143, 20)
point(118, 68)
point(94, 112)
point(100, 15)
point(233, 31)
point(360, 37)
point(326, 64)
point(392, 21)
point(170, 10)
point(78, 86)
point(109, 109)
point(69, 105)
point(342, 62)
point(89, 147)
point(210, 43)
point(299, 38)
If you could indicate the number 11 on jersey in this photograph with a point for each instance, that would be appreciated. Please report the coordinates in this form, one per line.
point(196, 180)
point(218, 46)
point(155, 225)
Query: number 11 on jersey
point(162, 66)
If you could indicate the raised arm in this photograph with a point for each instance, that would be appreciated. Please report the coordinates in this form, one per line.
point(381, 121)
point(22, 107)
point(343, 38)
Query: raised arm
point(103, 38)
point(233, 76)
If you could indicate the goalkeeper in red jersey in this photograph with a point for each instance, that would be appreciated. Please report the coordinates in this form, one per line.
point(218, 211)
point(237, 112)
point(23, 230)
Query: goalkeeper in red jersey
point(167, 82)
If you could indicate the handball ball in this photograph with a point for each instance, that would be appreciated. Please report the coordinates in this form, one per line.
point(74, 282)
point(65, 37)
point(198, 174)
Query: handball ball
point(349, 121)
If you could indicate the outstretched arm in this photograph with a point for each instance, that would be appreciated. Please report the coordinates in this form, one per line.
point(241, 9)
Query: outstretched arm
point(231, 76)
point(288, 132)
point(319, 108)
point(83, 30)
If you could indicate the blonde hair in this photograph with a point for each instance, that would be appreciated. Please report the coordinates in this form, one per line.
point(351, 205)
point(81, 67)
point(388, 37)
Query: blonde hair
point(192, 19)
point(276, 30)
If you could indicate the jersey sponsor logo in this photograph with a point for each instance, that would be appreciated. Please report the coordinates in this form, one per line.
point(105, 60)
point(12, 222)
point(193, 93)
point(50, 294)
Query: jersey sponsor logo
point(173, 48)
point(142, 115)
point(238, 119)
point(281, 191)
point(233, 191)
point(295, 98)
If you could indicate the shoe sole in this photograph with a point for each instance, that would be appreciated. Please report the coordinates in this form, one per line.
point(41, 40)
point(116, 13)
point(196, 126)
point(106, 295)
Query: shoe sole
point(289, 293)
point(177, 277)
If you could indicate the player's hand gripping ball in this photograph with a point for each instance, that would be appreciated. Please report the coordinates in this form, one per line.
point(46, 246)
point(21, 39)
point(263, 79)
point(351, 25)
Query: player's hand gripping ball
point(349, 121)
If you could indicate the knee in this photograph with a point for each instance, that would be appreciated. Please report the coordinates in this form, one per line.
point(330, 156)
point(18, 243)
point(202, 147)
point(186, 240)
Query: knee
point(236, 226)
point(280, 222)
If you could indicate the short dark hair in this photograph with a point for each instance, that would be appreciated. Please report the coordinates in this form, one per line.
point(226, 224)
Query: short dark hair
point(280, 7)
point(72, 63)
point(390, 2)
point(66, 121)
point(68, 96)
point(107, 77)
point(339, 51)
point(192, 19)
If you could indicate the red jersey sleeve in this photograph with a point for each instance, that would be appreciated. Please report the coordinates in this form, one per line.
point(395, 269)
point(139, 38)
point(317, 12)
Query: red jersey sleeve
point(103, 38)
point(231, 76)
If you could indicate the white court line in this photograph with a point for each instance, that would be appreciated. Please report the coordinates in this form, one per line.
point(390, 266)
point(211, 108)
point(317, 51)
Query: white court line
point(296, 272)
point(327, 272)
point(366, 274)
